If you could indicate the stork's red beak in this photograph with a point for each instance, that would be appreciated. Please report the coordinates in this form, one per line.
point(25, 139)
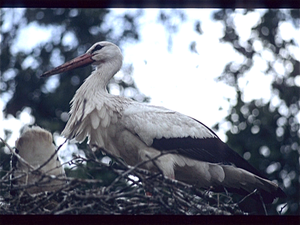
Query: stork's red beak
point(80, 61)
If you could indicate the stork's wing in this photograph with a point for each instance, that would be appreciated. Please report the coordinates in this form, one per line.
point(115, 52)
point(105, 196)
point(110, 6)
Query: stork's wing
point(165, 129)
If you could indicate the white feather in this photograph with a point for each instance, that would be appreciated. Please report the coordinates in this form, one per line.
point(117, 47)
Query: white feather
point(217, 173)
point(105, 121)
point(102, 112)
point(95, 120)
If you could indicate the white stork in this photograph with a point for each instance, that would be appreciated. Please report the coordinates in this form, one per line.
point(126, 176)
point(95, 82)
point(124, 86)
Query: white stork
point(136, 132)
point(35, 148)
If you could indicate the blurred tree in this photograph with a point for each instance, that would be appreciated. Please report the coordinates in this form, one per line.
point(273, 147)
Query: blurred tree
point(75, 31)
point(171, 19)
point(266, 133)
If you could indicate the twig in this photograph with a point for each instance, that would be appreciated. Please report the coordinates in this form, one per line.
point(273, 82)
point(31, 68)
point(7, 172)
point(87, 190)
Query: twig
point(247, 196)
point(54, 154)
point(262, 202)
point(17, 155)
point(281, 209)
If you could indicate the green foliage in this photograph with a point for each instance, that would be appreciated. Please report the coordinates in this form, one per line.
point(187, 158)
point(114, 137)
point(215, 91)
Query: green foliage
point(75, 31)
point(265, 133)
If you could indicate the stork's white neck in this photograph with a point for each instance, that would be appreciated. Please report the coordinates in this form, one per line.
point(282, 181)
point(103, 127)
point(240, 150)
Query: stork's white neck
point(98, 80)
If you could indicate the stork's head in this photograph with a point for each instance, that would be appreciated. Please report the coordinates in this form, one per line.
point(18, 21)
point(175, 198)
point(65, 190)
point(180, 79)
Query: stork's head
point(104, 51)
point(100, 54)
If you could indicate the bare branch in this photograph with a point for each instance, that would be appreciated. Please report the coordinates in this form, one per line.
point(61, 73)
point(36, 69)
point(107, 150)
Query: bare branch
point(133, 191)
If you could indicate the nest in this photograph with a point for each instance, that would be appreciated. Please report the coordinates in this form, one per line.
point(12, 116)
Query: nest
point(124, 190)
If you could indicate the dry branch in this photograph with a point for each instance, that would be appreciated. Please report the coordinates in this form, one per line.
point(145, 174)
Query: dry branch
point(132, 191)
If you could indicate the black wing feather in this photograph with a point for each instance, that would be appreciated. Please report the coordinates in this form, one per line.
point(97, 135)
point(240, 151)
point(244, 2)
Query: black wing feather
point(211, 150)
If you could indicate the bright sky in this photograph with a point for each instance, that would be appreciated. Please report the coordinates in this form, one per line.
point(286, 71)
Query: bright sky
point(179, 80)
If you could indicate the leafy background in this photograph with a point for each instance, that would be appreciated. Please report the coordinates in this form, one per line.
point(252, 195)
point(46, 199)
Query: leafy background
point(264, 133)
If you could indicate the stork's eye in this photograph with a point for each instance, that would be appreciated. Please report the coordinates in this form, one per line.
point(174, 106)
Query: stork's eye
point(97, 47)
